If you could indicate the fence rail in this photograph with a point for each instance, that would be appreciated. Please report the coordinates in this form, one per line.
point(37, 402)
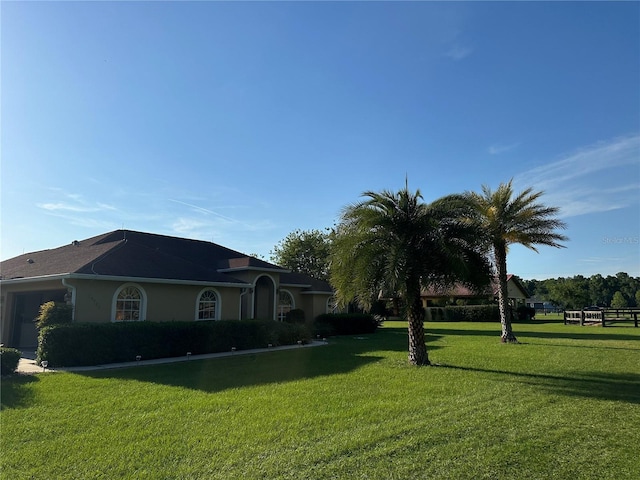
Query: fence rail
point(602, 316)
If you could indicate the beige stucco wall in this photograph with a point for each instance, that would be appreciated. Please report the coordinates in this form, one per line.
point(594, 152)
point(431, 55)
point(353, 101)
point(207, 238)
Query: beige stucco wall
point(94, 299)
point(514, 292)
point(164, 302)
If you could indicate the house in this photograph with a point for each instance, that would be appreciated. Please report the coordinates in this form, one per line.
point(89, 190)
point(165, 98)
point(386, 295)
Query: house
point(134, 276)
point(516, 293)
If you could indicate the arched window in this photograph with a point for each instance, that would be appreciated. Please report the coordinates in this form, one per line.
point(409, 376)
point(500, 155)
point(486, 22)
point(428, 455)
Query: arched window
point(208, 305)
point(285, 304)
point(129, 304)
point(332, 305)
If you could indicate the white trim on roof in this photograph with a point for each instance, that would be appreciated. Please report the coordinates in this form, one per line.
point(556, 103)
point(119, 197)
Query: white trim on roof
point(87, 276)
point(253, 269)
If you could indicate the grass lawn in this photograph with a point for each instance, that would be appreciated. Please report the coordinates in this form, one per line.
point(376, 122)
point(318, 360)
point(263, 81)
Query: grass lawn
point(565, 403)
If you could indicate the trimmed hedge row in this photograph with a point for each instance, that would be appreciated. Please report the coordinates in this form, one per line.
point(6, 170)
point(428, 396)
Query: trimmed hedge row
point(80, 344)
point(467, 313)
point(9, 359)
point(329, 324)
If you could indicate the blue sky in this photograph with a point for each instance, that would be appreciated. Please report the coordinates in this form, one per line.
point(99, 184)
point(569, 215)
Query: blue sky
point(238, 123)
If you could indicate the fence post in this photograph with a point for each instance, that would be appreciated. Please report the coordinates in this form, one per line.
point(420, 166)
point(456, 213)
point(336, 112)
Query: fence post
point(582, 315)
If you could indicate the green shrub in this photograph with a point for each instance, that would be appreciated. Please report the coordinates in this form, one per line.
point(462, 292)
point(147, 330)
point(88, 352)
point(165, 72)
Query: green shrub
point(295, 316)
point(98, 343)
point(53, 313)
point(466, 313)
point(9, 359)
point(525, 313)
point(329, 324)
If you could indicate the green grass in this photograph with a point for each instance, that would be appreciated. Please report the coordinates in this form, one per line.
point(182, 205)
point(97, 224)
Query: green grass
point(565, 403)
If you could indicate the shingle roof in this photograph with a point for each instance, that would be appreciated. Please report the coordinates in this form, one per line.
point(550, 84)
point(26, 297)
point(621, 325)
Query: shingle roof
point(126, 253)
point(314, 285)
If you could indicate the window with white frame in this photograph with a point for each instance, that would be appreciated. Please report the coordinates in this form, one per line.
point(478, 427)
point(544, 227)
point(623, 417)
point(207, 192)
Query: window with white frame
point(129, 304)
point(208, 305)
point(285, 305)
point(332, 305)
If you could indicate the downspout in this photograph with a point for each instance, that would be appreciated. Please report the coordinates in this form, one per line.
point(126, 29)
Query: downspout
point(243, 292)
point(73, 298)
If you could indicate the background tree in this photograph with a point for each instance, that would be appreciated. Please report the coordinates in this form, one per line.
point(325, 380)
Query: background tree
point(618, 301)
point(599, 293)
point(571, 292)
point(395, 243)
point(305, 251)
point(507, 219)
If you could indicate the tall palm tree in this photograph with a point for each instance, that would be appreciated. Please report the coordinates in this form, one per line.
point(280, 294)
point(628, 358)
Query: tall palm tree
point(395, 243)
point(506, 219)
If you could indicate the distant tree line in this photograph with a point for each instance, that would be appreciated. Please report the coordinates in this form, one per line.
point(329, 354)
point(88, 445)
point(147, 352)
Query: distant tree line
point(617, 291)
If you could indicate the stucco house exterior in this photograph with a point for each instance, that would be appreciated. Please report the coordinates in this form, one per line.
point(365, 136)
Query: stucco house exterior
point(516, 293)
point(126, 275)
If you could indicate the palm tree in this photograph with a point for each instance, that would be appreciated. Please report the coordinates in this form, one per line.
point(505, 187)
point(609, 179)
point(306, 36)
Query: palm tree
point(507, 219)
point(395, 243)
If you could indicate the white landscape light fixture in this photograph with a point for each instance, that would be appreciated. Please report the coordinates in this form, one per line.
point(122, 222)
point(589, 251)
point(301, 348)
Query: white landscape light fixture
point(44, 364)
point(188, 355)
point(138, 358)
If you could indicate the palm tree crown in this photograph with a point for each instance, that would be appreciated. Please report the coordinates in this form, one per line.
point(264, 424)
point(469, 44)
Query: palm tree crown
point(395, 243)
point(507, 219)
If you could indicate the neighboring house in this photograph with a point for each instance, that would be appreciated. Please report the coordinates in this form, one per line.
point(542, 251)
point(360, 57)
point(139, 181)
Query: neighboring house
point(540, 305)
point(133, 276)
point(516, 293)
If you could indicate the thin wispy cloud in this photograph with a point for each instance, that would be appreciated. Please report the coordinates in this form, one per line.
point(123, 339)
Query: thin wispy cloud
point(73, 202)
point(601, 156)
point(100, 207)
point(497, 149)
point(196, 227)
point(203, 210)
point(577, 183)
point(458, 52)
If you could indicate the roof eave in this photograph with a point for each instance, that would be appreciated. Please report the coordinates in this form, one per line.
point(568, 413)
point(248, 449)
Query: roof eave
point(253, 269)
point(87, 276)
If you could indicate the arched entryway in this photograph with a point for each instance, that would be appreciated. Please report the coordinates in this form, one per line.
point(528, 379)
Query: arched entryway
point(264, 298)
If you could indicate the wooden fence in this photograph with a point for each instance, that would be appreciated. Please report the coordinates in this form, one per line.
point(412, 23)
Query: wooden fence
point(602, 316)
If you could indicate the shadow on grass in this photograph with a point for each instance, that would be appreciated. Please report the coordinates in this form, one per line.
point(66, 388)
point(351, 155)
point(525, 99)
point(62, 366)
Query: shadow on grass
point(341, 356)
point(624, 387)
point(17, 391)
point(605, 335)
point(590, 347)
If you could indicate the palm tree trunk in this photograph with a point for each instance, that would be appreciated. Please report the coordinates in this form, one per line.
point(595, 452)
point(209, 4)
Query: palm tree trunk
point(500, 254)
point(415, 317)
